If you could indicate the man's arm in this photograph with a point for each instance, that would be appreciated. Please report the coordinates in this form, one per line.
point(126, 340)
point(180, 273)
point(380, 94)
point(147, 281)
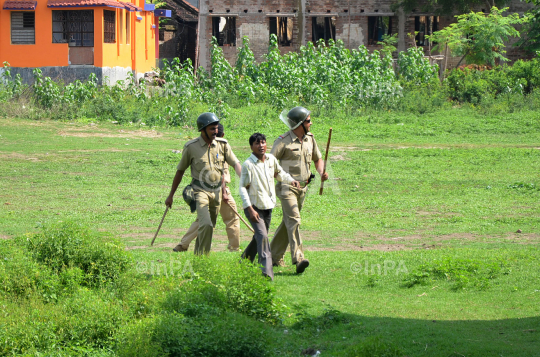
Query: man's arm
point(238, 169)
point(176, 181)
point(225, 196)
point(319, 166)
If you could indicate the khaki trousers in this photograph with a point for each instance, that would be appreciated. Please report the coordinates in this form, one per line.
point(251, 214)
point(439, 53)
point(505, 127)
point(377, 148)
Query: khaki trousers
point(288, 232)
point(207, 203)
point(232, 226)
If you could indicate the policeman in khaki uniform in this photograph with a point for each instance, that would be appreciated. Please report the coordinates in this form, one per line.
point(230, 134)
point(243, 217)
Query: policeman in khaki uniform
point(206, 155)
point(295, 150)
point(232, 223)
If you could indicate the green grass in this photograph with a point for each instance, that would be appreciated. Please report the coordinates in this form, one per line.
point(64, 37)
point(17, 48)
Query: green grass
point(442, 193)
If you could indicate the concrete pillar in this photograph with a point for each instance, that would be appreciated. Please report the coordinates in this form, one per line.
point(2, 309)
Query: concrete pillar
point(402, 18)
point(204, 43)
point(302, 21)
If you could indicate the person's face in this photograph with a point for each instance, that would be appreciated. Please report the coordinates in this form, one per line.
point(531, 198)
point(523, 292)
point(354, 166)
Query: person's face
point(211, 131)
point(259, 147)
point(307, 123)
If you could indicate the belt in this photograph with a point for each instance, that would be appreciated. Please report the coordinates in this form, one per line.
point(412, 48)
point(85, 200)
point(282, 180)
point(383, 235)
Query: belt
point(204, 185)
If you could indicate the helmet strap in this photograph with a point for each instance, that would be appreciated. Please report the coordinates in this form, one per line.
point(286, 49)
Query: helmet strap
point(305, 131)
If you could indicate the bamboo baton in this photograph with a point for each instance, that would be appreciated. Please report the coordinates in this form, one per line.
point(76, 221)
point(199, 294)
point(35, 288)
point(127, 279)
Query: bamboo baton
point(251, 229)
point(326, 159)
point(160, 223)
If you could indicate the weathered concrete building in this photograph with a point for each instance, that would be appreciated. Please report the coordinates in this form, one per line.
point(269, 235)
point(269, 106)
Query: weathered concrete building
point(295, 22)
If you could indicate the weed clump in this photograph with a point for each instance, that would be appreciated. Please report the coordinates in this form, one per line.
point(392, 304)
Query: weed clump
point(373, 346)
point(460, 273)
point(78, 255)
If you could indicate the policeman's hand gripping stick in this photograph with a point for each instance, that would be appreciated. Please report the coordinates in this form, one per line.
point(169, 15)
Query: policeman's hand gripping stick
point(326, 159)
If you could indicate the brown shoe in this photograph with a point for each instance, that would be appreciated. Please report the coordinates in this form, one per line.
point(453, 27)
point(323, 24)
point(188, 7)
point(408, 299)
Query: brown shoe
point(301, 266)
point(179, 248)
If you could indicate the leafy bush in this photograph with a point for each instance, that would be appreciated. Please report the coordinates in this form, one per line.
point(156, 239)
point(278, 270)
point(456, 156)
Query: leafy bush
point(23, 277)
point(413, 67)
point(68, 245)
point(225, 286)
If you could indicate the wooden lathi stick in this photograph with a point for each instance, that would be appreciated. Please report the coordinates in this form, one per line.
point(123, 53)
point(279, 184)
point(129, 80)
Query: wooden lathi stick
point(160, 223)
point(326, 159)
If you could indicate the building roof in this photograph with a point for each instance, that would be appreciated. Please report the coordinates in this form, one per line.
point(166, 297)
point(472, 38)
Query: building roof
point(20, 5)
point(87, 3)
point(183, 10)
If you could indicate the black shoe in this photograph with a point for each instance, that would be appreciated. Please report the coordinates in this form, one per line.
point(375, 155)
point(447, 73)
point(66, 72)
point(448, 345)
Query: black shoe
point(301, 266)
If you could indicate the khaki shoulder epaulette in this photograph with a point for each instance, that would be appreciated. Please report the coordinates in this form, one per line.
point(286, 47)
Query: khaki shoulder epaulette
point(222, 140)
point(191, 142)
point(283, 136)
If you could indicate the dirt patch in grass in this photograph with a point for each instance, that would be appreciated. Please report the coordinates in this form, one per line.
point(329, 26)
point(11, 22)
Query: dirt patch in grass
point(104, 134)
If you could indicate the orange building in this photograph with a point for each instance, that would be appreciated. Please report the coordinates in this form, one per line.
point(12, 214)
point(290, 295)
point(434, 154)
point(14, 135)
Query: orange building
point(69, 39)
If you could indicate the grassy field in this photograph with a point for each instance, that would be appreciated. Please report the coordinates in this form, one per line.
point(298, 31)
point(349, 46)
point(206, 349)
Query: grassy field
point(415, 242)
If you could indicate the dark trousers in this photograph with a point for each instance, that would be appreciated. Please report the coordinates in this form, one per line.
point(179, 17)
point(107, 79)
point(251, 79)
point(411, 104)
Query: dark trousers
point(259, 243)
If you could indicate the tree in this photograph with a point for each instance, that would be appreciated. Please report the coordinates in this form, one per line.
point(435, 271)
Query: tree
point(479, 38)
point(531, 41)
point(447, 6)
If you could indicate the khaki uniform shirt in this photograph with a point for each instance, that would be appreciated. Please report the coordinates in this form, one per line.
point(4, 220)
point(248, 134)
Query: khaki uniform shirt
point(207, 162)
point(295, 155)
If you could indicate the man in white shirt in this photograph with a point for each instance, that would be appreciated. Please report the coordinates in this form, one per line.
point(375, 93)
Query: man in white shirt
point(259, 198)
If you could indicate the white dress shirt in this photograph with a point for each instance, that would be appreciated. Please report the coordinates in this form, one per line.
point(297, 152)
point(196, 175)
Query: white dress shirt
point(257, 181)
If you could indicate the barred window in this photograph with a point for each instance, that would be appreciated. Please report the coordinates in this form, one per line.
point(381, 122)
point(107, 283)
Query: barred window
point(282, 27)
point(109, 27)
point(75, 27)
point(323, 28)
point(23, 30)
point(224, 30)
point(378, 26)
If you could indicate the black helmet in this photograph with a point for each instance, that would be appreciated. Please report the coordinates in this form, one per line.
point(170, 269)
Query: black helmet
point(206, 119)
point(296, 116)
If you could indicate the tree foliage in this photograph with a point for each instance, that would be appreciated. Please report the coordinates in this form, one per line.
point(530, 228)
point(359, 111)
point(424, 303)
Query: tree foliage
point(448, 6)
point(479, 38)
point(531, 41)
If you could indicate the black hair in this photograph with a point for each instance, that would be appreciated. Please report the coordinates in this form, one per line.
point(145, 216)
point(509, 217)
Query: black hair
point(256, 137)
point(220, 131)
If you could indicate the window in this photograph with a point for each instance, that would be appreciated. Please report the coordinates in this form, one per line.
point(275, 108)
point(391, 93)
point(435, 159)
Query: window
point(128, 28)
point(282, 27)
point(425, 25)
point(323, 28)
point(224, 30)
point(75, 27)
point(109, 26)
point(23, 30)
point(378, 26)
point(120, 26)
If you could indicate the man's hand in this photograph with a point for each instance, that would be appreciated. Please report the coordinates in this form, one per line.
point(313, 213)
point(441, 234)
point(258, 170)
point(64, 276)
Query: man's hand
point(324, 177)
point(253, 215)
point(295, 184)
point(226, 197)
point(169, 201)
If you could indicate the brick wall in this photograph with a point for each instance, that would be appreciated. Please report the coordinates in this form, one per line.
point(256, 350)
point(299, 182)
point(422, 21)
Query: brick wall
point(351, 22)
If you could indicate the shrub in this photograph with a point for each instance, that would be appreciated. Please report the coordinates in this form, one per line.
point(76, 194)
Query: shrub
point(225, 334)
point(22, 277)
point(225, 286)
point(100, 257)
